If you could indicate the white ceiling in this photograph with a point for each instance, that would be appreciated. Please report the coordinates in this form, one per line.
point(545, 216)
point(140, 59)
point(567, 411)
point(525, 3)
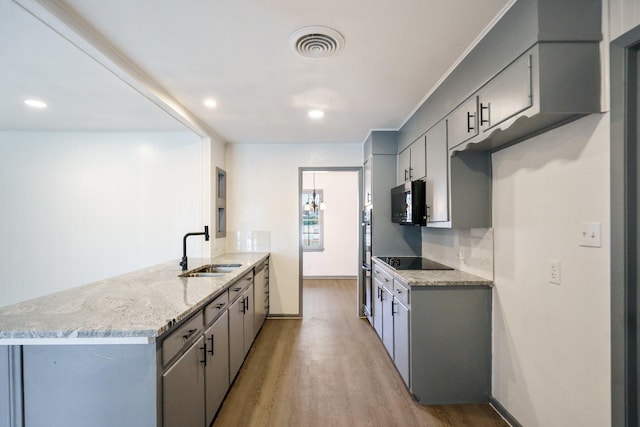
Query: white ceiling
point(237, 52)
point(80, 94)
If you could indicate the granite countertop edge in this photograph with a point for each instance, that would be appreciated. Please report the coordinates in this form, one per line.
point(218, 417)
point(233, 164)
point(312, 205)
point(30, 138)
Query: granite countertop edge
point(435, 278)
point(136, 307)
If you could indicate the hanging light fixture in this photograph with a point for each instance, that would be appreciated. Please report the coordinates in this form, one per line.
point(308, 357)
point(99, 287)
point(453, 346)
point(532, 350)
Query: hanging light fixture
point(314, 202)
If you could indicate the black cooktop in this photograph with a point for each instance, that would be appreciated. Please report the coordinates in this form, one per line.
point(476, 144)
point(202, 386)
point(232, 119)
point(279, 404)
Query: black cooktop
point(412, 263)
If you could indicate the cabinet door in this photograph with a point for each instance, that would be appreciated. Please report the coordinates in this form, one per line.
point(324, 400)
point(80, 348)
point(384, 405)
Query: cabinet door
point(377, 308)
point(367, 183)
point(387, 320)
point(507, 94)
point(260, 303)
point(437, 187)
point(404, 163)
point(249, 326)
point(417, 170)
point(217, 368)
point(463, 122)
point(401, 339)
point(236, 337)
point(183, 389)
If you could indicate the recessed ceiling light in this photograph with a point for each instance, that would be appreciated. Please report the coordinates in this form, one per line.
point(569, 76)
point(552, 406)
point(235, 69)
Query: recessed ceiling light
point(316, 114)
point(35, 103)
point(210, 103)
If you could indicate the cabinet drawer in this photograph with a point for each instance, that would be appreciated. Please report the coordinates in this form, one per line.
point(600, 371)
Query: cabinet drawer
point(216, 307)
point(382, 276)
point(401, 292)
point(239, 287)
point(181, 337)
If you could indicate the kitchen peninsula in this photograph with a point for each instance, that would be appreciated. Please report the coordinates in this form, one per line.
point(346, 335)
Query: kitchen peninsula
point(138, 349)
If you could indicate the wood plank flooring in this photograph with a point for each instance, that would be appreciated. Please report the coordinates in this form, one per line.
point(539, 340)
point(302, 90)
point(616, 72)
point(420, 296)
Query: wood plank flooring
point(330, 369)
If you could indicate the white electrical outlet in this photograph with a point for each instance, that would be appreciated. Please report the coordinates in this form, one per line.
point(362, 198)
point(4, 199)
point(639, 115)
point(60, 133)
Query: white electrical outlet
point(590, 234)
point(554, 272)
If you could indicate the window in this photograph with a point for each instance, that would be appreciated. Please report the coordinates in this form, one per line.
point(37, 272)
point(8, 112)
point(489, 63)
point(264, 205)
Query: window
point(312, 224)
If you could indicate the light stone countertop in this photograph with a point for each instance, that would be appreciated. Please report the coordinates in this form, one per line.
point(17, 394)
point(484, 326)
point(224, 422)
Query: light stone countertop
point(419, 278)
point(134, 308)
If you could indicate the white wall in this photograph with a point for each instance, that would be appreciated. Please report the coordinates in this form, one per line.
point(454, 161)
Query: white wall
point(263, 195)
point(82, 206)
point(341, 225)
point(551, 344)
point(623, 16)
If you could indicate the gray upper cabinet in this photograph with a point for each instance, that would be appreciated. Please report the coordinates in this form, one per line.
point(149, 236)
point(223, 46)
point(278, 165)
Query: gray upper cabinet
point(550, 84)
point(463, 122)
point(537, 68)
point(380, 152)
point(506, 95)
point(368, 195)
point(412, 162)
point(404, 166)
point(437, 177)
point(418, 161)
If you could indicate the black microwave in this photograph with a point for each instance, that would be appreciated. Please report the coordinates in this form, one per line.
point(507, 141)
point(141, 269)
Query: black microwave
point(408, 204)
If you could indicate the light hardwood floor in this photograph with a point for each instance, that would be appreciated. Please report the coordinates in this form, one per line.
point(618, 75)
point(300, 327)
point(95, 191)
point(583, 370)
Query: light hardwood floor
point(330, 369)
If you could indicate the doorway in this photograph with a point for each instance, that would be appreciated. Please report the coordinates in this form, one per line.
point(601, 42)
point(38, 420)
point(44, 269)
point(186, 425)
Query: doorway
point(625, 220)
point(329, 225)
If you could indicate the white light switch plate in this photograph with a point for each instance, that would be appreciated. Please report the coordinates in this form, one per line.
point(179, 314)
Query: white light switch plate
point(590, 234)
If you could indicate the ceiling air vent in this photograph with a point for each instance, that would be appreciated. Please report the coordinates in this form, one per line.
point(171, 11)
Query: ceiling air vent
point(316, 42)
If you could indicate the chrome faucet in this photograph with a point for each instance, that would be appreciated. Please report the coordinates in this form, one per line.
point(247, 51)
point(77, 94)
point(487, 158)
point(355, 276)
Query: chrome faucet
point(183, 263)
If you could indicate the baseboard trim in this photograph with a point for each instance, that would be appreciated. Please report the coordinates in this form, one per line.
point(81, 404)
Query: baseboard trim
point(329, 277)
point(503, 412)
point(284, 316)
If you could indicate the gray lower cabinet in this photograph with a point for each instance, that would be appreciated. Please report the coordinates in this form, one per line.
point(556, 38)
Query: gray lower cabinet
point(249, 320)
point(241, 327)
point(236, 337)
point(261, 294)
point(439, 338)
point(377, 307)
point(382, 279)
point(217, 366)
point(401, 339)
point(450, 344)
point(387, 320)
point(183, 389)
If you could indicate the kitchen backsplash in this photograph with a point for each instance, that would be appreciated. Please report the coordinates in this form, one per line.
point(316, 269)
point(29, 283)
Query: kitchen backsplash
point(468, 250)
point(248, 241)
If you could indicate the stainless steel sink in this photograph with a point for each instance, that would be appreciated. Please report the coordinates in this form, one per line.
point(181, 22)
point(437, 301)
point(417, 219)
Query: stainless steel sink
point(211, 270)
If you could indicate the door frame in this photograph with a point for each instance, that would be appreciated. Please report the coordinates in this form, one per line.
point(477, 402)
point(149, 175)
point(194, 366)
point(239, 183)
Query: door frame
point(625, 208)
point(357, 169)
